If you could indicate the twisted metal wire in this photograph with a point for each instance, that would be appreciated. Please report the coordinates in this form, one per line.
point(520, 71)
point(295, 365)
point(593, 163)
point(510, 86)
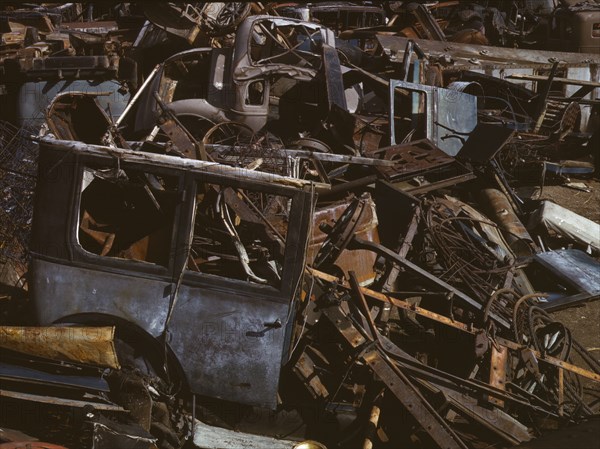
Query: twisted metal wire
point(465, 260)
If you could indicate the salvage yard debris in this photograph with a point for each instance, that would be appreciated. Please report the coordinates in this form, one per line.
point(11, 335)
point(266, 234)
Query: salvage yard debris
point(296, 225)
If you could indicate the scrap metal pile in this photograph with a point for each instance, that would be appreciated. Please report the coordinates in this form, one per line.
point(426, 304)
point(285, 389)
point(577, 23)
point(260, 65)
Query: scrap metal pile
point(295, 225)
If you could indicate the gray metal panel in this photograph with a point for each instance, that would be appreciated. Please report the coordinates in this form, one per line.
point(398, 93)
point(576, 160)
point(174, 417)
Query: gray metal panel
point(62, 290)
point(447, 112)
point(574, 267)
point(225, 345)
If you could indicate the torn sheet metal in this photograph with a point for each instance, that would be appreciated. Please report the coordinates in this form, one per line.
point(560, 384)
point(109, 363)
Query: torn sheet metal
point(567, 223)
point(220, 18)
point(423, 165)
point(108, 434)
point(261, 30)
point(449, 115)
point(87, 345)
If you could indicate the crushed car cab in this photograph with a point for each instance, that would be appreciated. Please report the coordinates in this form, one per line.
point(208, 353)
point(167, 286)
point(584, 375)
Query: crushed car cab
point(271, 74)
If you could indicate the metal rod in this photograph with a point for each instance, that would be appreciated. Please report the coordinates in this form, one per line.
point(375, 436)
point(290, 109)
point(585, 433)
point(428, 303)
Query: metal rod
point(137, 95)
point(457, 325)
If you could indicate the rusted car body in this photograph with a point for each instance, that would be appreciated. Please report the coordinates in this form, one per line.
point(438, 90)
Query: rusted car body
point(250, 83)
point(124, 238)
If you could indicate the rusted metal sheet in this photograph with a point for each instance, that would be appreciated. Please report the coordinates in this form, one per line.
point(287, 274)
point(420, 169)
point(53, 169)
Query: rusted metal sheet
point(500, 210)
point(305, 370)
point(366, 227)
point(411, 159)
point(88, 345)
point(469, 56)
point(422, 160)
point(498, 367)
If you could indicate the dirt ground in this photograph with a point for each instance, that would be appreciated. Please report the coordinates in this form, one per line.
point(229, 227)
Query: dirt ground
point(580, 202)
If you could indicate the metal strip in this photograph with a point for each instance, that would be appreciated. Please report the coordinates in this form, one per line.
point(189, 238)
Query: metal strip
point(456, 324)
